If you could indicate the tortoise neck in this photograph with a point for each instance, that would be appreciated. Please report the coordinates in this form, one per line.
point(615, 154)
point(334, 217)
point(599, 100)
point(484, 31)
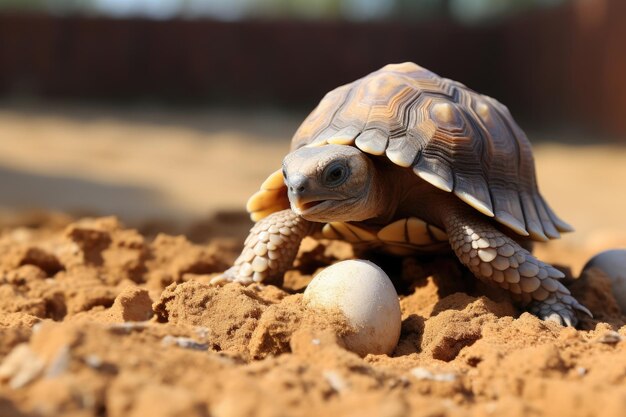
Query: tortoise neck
point(404, 194)
point(385, 193)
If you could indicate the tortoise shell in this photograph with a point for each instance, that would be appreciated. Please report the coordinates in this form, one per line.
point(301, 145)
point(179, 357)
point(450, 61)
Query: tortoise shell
point(450, 136)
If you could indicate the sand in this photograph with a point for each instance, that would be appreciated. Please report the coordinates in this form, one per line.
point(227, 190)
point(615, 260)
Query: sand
point(99, 321)
point(107, 317)
point(180, 166)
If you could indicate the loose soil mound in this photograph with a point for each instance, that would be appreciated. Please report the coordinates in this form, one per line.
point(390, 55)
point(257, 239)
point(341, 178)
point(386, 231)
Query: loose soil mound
point(98, 321)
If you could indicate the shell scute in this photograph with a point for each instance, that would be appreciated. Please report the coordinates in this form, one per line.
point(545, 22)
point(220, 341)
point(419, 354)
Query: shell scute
point(453, 138)
point(450, 136)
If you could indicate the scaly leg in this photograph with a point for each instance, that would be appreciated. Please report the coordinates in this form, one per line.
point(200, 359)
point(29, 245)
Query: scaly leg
point(269, 250)
point(496, 258)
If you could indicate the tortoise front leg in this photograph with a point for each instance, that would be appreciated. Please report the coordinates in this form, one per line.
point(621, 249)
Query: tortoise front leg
point(269, 250)
point(496, 258)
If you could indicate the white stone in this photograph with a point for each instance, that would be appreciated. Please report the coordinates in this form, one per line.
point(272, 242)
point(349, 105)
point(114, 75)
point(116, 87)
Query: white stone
point(613, 264)
point(423, 373)
point(366, 296)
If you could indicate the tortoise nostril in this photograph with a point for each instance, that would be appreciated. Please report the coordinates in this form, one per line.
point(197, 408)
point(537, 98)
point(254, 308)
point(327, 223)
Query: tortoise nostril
point(297, 184)
point(299, 189)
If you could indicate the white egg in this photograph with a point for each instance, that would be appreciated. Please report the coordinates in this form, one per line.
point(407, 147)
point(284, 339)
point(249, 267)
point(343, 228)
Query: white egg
point(366, 296)
point(613, 264)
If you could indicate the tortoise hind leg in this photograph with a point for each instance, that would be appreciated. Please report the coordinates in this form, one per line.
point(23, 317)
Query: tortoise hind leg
point(269, 250)
point(496, 258)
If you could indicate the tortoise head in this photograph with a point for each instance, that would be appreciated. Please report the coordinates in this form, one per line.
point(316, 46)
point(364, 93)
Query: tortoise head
point(331, 183)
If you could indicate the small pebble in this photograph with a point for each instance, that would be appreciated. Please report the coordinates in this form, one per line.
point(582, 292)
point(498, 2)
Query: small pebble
point(425, 374)
point(183, 342)
point(610, 337)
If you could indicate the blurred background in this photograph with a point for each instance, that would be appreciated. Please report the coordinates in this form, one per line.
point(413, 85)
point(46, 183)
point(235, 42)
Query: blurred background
point(169, 113)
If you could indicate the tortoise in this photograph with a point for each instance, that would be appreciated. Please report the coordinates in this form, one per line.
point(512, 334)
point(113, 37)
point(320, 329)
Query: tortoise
point(406, 161)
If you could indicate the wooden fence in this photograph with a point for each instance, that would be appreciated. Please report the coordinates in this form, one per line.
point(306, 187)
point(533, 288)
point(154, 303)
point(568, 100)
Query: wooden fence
point(563, 65)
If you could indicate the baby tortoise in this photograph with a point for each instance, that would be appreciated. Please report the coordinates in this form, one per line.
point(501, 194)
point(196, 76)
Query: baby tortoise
point(406, 161)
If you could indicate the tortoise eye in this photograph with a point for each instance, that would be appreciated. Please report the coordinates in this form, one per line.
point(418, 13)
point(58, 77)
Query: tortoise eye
point(335, 174)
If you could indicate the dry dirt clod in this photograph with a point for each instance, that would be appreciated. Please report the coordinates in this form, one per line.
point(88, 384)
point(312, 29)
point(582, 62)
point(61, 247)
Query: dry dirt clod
point(161, 341)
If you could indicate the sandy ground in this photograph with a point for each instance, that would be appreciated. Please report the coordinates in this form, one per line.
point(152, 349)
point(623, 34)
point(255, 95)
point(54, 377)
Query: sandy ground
point(99, 319)
point(180, 167)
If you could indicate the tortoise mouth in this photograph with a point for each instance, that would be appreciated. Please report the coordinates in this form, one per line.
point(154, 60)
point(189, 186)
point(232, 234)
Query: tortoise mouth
point(311, 204)
point(318, 210)
point(316, 207)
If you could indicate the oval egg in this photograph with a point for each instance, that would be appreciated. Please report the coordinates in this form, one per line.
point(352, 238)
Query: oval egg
point(613, 264)
point(366, 296)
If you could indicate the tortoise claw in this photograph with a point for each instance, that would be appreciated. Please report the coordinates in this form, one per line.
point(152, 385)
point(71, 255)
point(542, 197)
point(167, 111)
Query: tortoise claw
point(558, 308)
point(583, 309)
point(565, 317)
point(554, 317)
point(231, 275)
